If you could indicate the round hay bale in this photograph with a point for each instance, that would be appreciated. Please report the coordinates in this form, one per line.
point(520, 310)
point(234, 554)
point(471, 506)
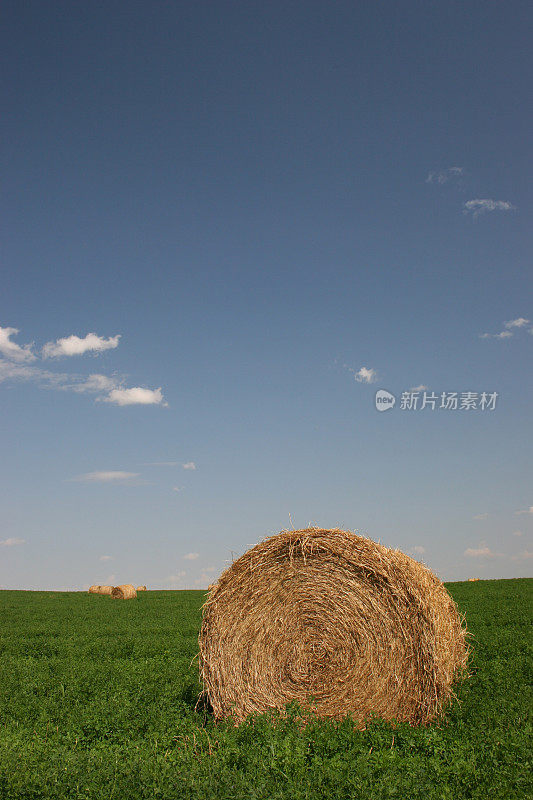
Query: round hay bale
point(93, 589)
point(334, 621)
point(141, 588)
point(124, 592)
point(105, 589)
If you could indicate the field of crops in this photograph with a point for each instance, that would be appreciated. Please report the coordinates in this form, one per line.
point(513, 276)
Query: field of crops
point(97, 700)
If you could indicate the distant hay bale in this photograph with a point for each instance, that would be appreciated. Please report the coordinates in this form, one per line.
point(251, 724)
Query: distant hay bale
point(141, 588)
point(124, 592)
point(105, 589)
point(93, 589)
point(473, 579)
point(334, 621)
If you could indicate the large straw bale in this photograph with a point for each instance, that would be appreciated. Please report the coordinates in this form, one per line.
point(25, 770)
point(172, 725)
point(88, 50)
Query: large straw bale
point(93, 589)
point(334, 621)
point(105, 589)
point(124, 592)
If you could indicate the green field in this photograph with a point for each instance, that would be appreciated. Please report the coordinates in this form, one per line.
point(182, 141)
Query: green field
point(97, 700)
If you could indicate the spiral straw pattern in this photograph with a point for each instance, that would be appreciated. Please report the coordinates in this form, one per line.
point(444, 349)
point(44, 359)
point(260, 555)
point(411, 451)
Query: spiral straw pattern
point(334, 621)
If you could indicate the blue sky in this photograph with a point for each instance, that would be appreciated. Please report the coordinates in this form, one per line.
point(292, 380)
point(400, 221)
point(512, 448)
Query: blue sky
point(225, 226)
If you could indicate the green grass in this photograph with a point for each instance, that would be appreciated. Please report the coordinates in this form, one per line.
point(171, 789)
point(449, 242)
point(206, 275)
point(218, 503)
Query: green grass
point(97, 700)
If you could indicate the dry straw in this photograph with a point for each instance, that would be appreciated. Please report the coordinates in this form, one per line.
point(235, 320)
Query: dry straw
point(105, 589)
point(334, 621)
point(94, 589)
point(125, 592)
point(141, 588)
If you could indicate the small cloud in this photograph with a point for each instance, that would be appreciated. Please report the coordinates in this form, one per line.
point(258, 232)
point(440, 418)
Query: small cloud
point(520, 322)
point(420, 388)
point(13, 541)
point(526, 511)
point(444, 175)
point(501, 335)
point(110, 580)
point(105, 558)
point(478, 207)
point(365, 375)
point(178, 488)
point(110, 476)
point(418, 549)
point(210, 569)
point(109, 390)
point(189, 465)
point(191, 556)
point(481, 552)
point(12, 350)
point(526, 554)
point(136, 396)
point(481, 516)
point(517, 533)
point(75, 346)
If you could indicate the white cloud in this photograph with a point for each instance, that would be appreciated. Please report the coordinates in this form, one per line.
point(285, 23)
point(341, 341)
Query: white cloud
point(420, 388)
point(481, 516)
point(191, 556)
point(111, 476)
point(178, 488)
point(517, 533)
point(14, 366)
point(75, 346)
point(105, 558)
point(525, 554)
point(526, 511)
point(12, 350)
point(477, 207)
point(365, 375)
point(110, 580)
point(481, 552)
point(136, 396)
point(510, 325)
point(12, 542)
point(501, 335)
point(418, 549)
point(445, 175)
point(189, 465)
point(106, 389)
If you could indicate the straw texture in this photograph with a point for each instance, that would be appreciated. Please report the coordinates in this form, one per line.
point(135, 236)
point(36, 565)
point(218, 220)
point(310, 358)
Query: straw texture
point(124, 592)
point(141, 588)
point(334, 621)
point(93, 589)
point(105, 589)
